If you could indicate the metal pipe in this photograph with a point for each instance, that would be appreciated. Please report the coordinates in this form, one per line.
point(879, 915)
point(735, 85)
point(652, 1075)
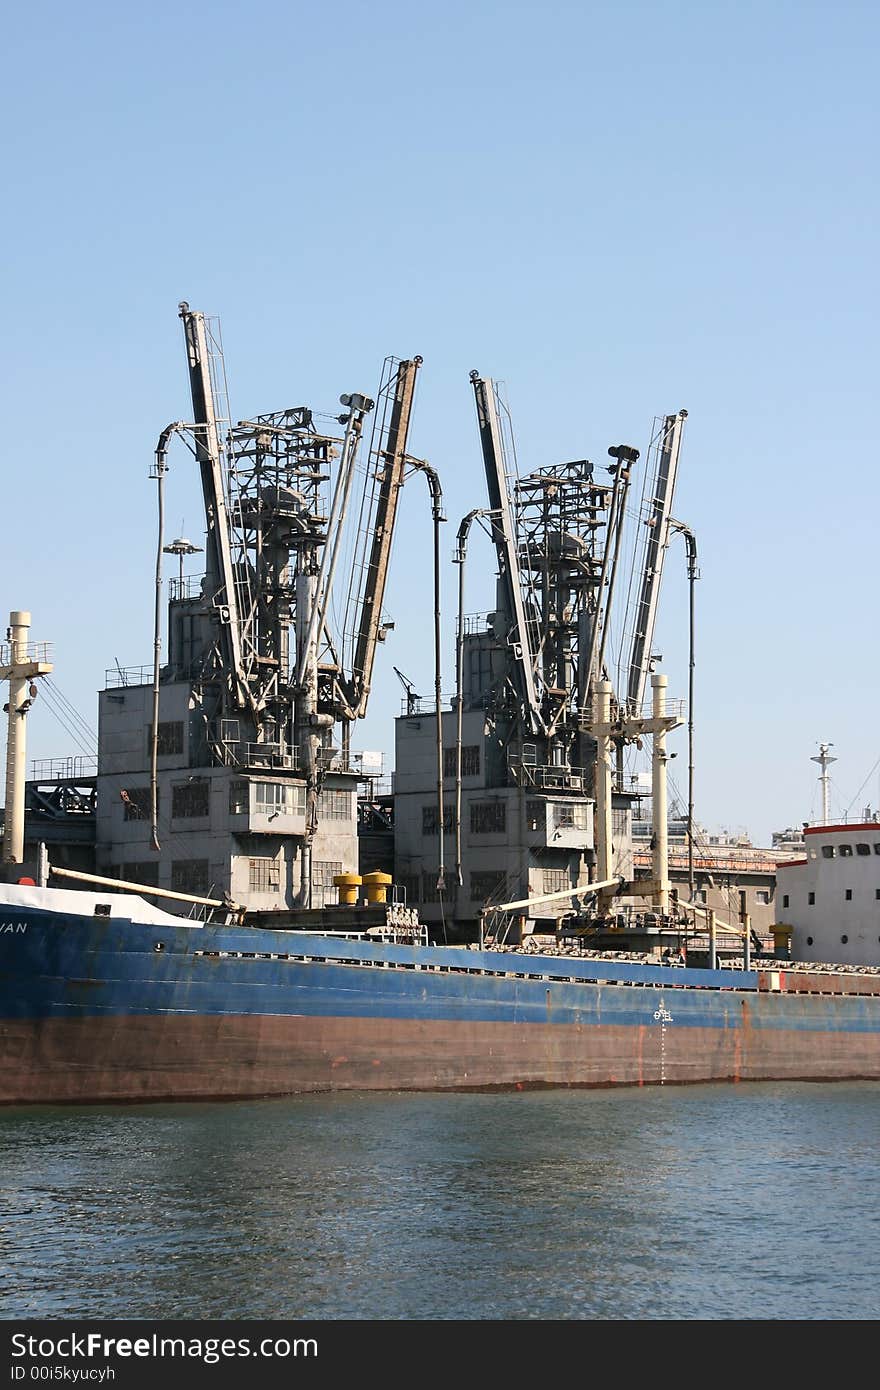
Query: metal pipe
point(17, 673)
point(659, 810)
point(459, 559)
point(460, 556)
point(144, 889)
point(437, 517)
point(693, 574)
point(584, 891)
point(713, 954)
point(601, 732)
point(160, 469)
point(458, 722)
point(746, 928)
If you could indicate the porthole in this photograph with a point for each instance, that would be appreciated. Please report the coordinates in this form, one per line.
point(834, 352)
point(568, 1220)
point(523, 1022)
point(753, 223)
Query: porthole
point(809, 941)
point(844, 939)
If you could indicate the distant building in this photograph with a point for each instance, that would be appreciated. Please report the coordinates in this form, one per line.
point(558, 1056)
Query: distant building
point(731, 875)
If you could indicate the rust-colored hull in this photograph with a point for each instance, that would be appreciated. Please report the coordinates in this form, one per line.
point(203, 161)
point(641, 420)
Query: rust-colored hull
point(143, 1057)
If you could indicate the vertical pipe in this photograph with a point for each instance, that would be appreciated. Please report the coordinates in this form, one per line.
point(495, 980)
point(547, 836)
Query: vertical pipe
point(691, 739)
point(660, 865)
point(602, 733)
point(459, 659)
point(438, 517)
point(160, 471)
point(713, 955)
point(16, 754)
point(746, 924)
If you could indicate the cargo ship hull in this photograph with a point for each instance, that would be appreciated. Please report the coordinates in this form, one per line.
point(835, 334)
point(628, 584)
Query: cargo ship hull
point(110, 1009)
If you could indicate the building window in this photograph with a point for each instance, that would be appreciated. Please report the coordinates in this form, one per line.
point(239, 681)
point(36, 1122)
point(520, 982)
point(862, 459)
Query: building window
point(848, 895)
point(281, 798)
point(238, 798)
point(169, 742)
point(136, 801)
point(486, 885)
point(190, 876)
point(828, 851)
point(877, 849)
point(334, 804)
point(488, 817)
point(846, 851)
point(863, 849)
point(556, 880)
point(762, 897)
point(785, 900)
point(569, 815)
point(148, 874)
point(536, 815)
point(324, 891)
point(429, 819)
point(470, 761)
point(190, 799)
point(811, 899)
point(264, 875)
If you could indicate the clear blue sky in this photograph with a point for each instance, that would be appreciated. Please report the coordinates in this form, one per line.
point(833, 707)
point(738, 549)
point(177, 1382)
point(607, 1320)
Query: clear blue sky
point(617, 209)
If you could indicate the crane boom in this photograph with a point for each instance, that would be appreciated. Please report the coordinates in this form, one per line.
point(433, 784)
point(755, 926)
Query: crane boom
point(391, 464)
point(504, 538)
point(219, 576)
point(656, 544)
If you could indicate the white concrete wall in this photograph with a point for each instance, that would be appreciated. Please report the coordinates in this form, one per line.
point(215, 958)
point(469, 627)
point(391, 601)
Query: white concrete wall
point(819, 928)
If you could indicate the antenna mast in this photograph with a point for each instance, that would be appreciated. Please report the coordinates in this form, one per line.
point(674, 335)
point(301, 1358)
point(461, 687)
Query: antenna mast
point(824, 759)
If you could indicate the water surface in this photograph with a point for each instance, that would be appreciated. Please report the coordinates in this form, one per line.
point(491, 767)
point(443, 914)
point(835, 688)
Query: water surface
point(755, 1201)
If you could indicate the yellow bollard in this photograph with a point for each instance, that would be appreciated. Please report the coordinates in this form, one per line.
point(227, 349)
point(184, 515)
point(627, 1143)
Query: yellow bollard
point(377, 886)
point(348, 885)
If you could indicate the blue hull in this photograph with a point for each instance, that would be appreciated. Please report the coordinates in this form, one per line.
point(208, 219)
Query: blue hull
point(166, 1010)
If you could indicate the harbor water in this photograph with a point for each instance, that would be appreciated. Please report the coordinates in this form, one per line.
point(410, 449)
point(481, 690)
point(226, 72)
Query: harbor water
point(707, 1202)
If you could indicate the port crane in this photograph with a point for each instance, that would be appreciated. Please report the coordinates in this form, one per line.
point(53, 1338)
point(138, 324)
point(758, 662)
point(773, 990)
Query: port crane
point(277, 679)
point(273, 550)
point(558, 534)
